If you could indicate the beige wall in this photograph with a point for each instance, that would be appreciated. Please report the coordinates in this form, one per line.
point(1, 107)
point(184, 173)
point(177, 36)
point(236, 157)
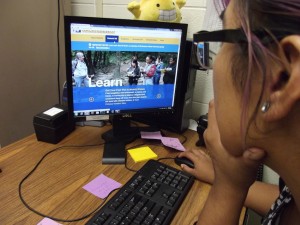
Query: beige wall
point(28, 71)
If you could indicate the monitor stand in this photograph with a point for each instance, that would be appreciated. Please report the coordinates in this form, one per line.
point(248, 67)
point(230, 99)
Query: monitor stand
point(117, 138)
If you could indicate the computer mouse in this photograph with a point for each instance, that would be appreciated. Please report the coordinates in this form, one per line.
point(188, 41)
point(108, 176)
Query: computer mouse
point(184, 160)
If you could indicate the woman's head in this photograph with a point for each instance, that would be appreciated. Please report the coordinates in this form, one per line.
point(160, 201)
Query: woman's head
point(159, 58)
point(150, 59)
point(172, 59)
point(134, 63)
point(256, 67)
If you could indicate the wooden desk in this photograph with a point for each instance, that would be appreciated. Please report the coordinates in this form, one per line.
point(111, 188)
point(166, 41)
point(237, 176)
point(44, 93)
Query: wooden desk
point(55, 188)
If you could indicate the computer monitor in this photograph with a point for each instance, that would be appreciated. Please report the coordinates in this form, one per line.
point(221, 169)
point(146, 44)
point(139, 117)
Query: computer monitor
point(101, 59)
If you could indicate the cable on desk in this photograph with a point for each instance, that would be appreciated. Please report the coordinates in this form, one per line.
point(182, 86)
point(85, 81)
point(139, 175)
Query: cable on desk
point(165, 158)
point(36, 166)
point(184, 139)
point(68, 220)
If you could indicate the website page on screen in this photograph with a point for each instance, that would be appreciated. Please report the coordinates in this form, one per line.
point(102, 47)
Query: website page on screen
point(112, 72)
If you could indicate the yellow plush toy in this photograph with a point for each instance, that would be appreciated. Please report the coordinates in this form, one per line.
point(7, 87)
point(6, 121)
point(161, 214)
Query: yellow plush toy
point(157, 10)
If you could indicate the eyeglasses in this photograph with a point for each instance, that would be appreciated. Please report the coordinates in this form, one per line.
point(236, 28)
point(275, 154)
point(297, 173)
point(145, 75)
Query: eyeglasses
point(231, 36)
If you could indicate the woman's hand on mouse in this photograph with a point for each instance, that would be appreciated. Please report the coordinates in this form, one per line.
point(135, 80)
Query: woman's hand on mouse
point(204, 170)
point(204, 167)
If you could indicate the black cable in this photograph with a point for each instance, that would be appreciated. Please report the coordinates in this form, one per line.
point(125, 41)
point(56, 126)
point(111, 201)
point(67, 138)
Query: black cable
point(69, 220)
point(58, 51)
point(184, 139)
point(164, 158)
point(32, 171)
point(126, 166)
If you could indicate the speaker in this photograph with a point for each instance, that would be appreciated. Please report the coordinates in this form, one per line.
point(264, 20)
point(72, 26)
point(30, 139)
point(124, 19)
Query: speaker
point(179, 120)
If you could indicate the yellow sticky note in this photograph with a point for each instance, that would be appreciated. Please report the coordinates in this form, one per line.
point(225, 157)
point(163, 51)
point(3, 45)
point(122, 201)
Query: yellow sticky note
point(142, 154)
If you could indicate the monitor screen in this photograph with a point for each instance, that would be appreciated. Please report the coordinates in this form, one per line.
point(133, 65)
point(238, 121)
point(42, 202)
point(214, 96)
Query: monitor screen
point(117, 67)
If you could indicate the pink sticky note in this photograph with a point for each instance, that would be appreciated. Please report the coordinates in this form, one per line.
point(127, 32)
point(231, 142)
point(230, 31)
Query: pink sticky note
point(47, 221)
point(172, 143)
point(151, 135)
point(101, 186)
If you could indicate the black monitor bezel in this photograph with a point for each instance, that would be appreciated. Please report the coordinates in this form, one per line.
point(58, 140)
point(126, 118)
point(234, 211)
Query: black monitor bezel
point(123, 22)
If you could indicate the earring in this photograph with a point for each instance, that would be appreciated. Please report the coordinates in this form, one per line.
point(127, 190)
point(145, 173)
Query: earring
point(265, 107)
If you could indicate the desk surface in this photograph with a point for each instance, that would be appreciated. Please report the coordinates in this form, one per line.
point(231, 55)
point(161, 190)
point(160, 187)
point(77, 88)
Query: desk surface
point(55, 188)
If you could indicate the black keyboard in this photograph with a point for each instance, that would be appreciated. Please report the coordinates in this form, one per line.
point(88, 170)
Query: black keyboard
point(152, 196)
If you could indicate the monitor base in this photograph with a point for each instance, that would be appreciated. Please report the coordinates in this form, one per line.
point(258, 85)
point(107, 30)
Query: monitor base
point(117, 138)
point(114, 153)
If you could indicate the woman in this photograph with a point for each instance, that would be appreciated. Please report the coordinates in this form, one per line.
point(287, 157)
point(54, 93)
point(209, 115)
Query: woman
point(170, 71)
point(159, 66)
point(133, 73)
point(255, 115)
point(149, 70)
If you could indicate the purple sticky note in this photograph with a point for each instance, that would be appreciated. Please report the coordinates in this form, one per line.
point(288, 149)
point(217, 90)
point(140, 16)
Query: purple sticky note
point(151, 135)
point(47, 221)
point(101, 186)
point(172, 143)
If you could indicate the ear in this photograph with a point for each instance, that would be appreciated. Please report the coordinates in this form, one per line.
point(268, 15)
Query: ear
point(285, 92)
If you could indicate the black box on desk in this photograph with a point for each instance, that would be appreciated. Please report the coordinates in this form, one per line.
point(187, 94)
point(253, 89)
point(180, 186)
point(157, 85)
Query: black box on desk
point(53, 124)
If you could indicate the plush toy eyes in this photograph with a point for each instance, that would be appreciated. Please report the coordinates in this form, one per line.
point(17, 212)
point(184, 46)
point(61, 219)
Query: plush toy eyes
point(158, 5)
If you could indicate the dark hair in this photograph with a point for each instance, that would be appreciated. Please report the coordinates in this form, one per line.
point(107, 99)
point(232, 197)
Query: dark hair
point(135, 62)
point(173, 57)
point(151, 57)
point(253, 58)
point(160, 57)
